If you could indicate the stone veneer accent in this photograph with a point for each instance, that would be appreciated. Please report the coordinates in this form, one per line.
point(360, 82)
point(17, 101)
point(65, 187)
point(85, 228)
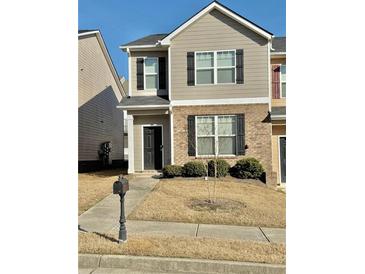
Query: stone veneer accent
point(257, 133)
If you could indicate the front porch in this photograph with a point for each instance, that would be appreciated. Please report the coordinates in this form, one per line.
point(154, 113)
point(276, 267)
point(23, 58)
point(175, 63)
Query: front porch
point(149, 133)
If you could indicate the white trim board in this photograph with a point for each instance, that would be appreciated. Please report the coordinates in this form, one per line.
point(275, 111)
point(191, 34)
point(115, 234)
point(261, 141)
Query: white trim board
point(233, 101)
point(130, 121)
point(163, 146)
point(88, 33)
point(219, 7)
point(144, 107)
point(278, 117)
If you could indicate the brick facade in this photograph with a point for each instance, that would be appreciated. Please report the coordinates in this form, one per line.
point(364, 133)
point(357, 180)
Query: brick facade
point(257, 133)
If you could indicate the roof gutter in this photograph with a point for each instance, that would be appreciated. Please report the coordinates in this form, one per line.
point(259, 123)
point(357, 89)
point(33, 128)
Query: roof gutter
point(88, 33)
point(138, 107)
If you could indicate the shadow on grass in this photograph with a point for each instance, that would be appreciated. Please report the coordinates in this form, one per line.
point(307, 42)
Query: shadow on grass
point(106, 237)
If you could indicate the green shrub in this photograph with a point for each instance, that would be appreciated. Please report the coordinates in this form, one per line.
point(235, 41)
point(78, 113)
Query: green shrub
point(248, 168)
point(194, 169)
point(222, 168)
point(171, 171)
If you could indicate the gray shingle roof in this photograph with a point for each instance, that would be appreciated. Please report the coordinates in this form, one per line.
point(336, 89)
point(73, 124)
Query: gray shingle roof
point(143, 101)
point(279, 44)
point(147, 40)
point(278, 111)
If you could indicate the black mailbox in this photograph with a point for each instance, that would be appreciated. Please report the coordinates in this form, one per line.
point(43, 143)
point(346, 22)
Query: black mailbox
point(121, 186)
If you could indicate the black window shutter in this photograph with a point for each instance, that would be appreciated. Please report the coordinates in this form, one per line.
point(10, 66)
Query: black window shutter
point(239, 66)
point(140, 80)
point(191, 135)
point(240, 141)
point(190, 66)
point(162, 72)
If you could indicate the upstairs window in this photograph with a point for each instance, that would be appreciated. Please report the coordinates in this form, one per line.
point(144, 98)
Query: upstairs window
point(226, 67)
point(215, 67)
point(283, 81)
point(151, 73)
point(205, 68)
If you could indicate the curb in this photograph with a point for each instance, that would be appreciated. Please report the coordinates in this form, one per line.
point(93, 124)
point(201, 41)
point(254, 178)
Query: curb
point(176, 265)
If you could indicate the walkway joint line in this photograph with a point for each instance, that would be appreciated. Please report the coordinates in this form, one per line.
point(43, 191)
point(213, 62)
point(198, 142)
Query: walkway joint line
point(197, 229)
point(267, 238)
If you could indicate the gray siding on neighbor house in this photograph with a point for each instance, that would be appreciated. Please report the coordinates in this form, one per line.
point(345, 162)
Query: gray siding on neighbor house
point(216, 31)
point(150, 120)
point(99, 120)
point(133, 76)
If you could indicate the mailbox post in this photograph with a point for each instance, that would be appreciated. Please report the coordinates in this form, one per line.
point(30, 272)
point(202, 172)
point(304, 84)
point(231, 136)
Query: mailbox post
point(121, 187)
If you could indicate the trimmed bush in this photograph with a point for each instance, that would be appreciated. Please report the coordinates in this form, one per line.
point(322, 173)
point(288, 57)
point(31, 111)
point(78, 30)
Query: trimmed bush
point(248, 168)
point(171, 171)
point(194, 169)
point(222, 168)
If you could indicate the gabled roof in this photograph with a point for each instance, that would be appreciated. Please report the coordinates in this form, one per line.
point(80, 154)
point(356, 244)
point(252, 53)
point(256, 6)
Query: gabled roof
point(144, 102)
point(279, 44)
point(97, 33)
point(165, 39)
point(147, 40)
point(278, 113)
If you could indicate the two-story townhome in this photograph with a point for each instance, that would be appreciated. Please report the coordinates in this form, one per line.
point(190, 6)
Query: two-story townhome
point(278, 108)
point(203, 89)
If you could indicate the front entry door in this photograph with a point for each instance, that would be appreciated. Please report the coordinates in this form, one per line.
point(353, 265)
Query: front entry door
point(152, 150)
point(283, 159)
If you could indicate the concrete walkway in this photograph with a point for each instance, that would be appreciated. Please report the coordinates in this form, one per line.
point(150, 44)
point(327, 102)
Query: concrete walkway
point(104, 218)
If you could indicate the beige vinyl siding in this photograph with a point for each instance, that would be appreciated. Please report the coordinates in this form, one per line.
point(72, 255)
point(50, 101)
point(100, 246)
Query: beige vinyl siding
point(94, 71)
point(133, 76)
point(99, 120)
point(215, 31)
point(138, 134)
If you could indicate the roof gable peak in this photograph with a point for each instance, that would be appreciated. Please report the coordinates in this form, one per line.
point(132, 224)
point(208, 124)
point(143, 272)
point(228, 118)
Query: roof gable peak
point(230, 13)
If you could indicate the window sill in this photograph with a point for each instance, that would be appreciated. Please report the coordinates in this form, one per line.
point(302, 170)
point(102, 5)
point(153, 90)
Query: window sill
point(218, 84)
point(219, 156)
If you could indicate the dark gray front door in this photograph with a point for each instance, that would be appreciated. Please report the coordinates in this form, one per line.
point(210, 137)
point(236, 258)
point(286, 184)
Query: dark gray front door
point(152, 150)
point(283, 159)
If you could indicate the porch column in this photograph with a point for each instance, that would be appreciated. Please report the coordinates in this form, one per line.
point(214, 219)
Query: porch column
point(172, 136)
point(130, 144)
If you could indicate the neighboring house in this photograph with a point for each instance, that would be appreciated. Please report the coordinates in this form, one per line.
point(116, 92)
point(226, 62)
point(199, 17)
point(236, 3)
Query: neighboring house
point(203, 89)
point(278, 109)
point(100, 91)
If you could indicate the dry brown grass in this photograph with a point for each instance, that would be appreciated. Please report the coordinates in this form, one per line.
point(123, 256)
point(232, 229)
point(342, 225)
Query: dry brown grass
point(173, 200)
point(184, 247)
point(94, 186)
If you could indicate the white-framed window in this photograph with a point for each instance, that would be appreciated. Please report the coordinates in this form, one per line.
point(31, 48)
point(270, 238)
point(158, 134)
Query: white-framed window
point(151, 73)
point(216, 135)
point(283, 81)
point(215, 67)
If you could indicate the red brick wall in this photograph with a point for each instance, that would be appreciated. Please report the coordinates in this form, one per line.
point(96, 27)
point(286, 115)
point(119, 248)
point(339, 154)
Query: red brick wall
point(257, 132)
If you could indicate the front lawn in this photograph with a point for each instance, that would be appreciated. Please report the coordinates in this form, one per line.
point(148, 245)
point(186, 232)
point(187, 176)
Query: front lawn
point(183, 247)
point(94, 186)
point(237, 203)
